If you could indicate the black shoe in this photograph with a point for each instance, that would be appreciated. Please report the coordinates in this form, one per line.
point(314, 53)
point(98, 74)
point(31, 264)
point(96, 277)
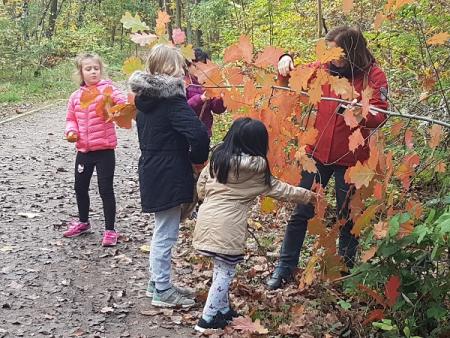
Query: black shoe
point(218, 322)
point(278, 279)
point(230, 314)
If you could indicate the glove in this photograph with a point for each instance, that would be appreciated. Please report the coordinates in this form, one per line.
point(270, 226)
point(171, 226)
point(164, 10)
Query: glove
point(285, 65)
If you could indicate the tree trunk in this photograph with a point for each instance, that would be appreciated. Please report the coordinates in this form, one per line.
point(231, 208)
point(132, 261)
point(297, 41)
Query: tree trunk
point(52, 18)
point(319, 18)
point(178, 10)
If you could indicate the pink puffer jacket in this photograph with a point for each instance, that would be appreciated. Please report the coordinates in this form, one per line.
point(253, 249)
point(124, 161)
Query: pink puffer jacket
point(93, 132)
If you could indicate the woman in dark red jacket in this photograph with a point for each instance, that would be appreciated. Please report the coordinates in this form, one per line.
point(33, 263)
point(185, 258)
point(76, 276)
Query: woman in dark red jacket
point(331, 151)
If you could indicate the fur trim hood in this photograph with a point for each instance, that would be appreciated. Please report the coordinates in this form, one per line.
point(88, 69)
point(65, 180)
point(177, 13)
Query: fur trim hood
point(156, 86)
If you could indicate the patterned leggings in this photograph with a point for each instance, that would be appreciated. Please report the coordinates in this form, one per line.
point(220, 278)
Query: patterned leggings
point(217, 300)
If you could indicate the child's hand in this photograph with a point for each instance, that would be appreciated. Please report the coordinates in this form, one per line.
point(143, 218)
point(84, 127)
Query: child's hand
point(72, 136)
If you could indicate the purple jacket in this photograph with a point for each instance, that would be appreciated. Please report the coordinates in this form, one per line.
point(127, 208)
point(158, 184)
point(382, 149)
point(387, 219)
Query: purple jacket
point(193, 94)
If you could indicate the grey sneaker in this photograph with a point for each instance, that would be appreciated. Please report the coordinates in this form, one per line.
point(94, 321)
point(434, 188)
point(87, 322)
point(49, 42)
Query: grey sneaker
point(171, 298)
point(189, 293)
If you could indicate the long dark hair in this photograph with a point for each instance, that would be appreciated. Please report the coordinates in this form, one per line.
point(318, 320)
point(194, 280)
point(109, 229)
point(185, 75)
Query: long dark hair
point(352, 41)
point(246, 136)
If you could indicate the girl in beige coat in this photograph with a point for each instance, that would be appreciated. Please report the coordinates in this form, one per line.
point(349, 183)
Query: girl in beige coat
point(238, 172)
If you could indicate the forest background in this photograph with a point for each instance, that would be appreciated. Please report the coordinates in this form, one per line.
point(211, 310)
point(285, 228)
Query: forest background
point(39, 39)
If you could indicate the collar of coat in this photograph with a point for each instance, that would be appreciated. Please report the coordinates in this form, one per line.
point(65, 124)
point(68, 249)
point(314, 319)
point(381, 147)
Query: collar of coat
point(156, 86)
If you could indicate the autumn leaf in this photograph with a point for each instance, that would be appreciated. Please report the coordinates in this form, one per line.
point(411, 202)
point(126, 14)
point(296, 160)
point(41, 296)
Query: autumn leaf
point(378, 191)
point(380, 230)
point(441, 167)
point(309, 274)
point(233, 75)
point(364, 220)
point(369, 254)
point(241, 51)
point(391, 290)
point(123, 114)
point(355, 140)
point(299, 78)
point(269, 57)
point(439, 39)
point(131, 65)
point(268, 205)
point(88, 96)
point(178, 36)
point(134, 23)
point(233, 99)
point(308, 137)
point(315, 89)
point(325, 55)
point(400, 3)
point(245, 324)
point(143, 39)
point(374, 315)
point(396, 128)
point(161, 21)
point(341, 86)
point(409, 139)
point(350, 119)
point(360, 175)
point(366, 97)
point(347, 6)
point(436, 134)
point(188, 52)
point(375, 295)
point(379, 19)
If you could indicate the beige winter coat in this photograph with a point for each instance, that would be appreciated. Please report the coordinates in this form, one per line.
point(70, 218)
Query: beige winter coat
point(222, 218)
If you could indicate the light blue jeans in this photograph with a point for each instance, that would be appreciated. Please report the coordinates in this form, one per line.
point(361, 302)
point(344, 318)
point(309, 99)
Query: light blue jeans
point(165, 235)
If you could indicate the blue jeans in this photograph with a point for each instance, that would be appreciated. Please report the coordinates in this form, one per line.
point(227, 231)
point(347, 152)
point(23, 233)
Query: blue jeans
point(165, 235)
point(297, 225)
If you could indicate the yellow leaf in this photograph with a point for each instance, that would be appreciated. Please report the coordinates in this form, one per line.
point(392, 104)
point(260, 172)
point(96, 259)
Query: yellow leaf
point(188, 52)
point(325, 54)
point(438, 39)
point(359, 175)
point(131, 65)
point(145, 248)
point(134, 23)
point(268, 205)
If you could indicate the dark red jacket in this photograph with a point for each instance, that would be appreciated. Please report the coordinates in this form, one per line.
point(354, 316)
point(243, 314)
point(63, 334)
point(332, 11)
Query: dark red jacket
point(193, 94)
point(332, 143)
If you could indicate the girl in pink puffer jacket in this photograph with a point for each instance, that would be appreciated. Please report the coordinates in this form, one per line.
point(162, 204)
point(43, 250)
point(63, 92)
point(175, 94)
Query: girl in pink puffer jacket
point(95, 142)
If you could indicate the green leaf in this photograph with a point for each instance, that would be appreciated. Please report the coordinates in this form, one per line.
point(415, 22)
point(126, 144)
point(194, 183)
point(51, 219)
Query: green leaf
point(407, 332)
point(134, 23)
point(394, 226)
point(436, 312)
point(420, 232)
point(344, 304)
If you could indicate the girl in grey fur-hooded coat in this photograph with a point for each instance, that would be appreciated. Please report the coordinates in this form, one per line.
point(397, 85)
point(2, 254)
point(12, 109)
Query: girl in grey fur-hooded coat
point(171, 138)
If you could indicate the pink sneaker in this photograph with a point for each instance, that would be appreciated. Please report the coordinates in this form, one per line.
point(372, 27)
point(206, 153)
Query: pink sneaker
point(76, 228)
point(110, 238)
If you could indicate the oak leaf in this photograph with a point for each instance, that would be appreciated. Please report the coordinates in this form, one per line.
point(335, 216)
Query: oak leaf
point(88, 96)
point(161, 21)
point(131, 65)
point(299, 78)
point(360, 175)
point(350, 119)
point(269, 57)
point(341, 86)
point(439, 39)
point(325, 55)
point(245, 324)
point(143, 39)
point(134, 23)
point(178, 36)
point(355, 140)
point(243, 50)
point(365, 100)
point(123, 114)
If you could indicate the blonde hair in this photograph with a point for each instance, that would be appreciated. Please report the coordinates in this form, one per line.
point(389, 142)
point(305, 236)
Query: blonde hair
point(164, 59)
point(79, 66)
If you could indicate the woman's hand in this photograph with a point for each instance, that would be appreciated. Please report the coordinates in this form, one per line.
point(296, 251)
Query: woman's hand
point(285, 65)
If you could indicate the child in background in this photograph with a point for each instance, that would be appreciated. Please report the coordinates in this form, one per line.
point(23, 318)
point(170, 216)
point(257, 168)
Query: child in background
point(171, 138)
point(95, 142)
point(238, 172)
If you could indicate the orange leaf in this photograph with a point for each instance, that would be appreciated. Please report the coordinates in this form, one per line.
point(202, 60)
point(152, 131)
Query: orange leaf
point(438, 39)
point(436, 134)
point(245, 324)
point(341, 86)
point(374, 155)
point(378, 191)
point(415, 209)
point(391, 288)
point(409, 140)
point(308, 137)
point(234, 76)
point(100, 110)
point(350, 119)
point(360, 175)
point(380, 230)
point(441, 167)
point(316, 227)
point(368, 254)
point(366, 96)
point(88, 96)
point(377, 314)
point(269, 57)
point(355, 140)
point(325, 54)
point(243, 50)
point(405, 229)
point(315, 90)
point(347, 6)
point(396, 128)
point(300, 77)
point(309, 274)
point(379, 18)
point(233, 100)
point(285, 101)
point(161, 21)
point(400, 3)
point(123, 114)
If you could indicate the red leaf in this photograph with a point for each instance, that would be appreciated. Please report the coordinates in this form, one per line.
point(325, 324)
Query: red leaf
point(375, 295)
point(178, 36)
point(377, 314)
point(436, 134)
point(391, 288)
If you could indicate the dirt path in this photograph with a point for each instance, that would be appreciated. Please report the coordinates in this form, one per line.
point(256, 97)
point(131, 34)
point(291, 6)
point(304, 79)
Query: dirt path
point(56, 287)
